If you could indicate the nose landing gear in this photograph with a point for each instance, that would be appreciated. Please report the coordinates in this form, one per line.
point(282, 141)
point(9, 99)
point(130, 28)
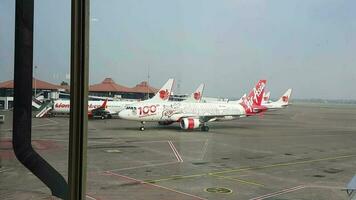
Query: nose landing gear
point(142, 127)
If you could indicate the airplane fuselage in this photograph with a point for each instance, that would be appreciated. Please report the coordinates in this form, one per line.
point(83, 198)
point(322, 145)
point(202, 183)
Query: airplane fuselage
point(174, 111)
point(63, 106)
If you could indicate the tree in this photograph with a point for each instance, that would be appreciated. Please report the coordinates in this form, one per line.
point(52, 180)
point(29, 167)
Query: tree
point(64, 83)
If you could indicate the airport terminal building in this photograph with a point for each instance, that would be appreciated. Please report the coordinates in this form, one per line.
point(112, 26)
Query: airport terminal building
point(46, 89)
point(109, 88)
point(50, 91)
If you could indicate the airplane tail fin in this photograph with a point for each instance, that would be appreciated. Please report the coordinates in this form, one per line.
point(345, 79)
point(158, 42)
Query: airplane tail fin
point(104, 105)
point(284, 100)
point(197, 94)
point(252, 103)
point(164, 93)
point(266, 97)
point(256, 93)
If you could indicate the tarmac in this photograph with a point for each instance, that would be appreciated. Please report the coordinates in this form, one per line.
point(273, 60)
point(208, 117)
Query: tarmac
point(306, 151)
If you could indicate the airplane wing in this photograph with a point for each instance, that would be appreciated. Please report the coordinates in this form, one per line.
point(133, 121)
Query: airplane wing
point(101, 111)
point(202, 118)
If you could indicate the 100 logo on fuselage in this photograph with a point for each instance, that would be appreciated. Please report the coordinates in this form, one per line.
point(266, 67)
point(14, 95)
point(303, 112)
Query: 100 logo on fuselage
point(147, 110)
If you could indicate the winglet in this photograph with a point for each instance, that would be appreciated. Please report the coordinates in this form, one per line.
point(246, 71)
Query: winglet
point(164, 93)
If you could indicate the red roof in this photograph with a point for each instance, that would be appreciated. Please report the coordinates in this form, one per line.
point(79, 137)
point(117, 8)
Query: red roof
point(143, 87)
point(35, 83)
point(108, 85)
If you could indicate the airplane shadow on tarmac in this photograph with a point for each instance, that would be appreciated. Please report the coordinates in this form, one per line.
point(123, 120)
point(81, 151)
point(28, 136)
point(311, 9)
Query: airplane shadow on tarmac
point(177, 128)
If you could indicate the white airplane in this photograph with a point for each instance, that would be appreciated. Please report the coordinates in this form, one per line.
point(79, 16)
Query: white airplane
point(192, 115)
point(195, 97)
point(280, 103)
point(106, 109)
point(102, 109)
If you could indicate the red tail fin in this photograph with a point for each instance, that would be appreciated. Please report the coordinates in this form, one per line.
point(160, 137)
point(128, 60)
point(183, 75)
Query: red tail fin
point(253, 101)
point(256, 94)
point(104, 104)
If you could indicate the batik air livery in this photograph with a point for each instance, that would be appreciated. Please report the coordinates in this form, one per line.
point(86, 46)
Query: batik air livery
point(193, 115)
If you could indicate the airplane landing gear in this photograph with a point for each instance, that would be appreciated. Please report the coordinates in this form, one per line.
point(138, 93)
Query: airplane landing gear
point(204, 128)
point(142, 128)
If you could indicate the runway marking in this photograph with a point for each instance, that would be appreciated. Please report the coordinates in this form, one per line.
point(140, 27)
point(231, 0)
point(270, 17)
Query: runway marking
point(240, 180)
point(326, 187)
point(256, 168)
point(205, 148)
point(159, 141)
point(175, 151)
point(90, 197)
point(143, 166)
point(284, 164)
point(288, 190)
point(154, 185)
point(154, 141)
point(4, 170)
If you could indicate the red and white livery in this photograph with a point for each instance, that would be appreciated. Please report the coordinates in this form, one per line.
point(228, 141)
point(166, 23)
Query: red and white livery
point(193, 115)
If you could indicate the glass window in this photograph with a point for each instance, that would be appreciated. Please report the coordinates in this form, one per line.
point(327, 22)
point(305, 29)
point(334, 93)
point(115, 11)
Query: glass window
point(248, 99)
point(48, 136)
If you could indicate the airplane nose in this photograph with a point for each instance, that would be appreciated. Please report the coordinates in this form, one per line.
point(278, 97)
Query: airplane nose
point(123, 114)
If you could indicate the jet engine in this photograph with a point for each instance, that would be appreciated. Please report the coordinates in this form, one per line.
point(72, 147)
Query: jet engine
point(189, 123)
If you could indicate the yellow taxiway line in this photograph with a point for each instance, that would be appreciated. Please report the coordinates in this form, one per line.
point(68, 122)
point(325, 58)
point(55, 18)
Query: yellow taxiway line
point(216, 173)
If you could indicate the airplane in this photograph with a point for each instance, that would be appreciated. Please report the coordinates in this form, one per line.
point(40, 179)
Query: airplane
point(280, 103)
point(106, 109)
point(100, 112)
point(192, 115)
point(196, 97)
point(110, 107)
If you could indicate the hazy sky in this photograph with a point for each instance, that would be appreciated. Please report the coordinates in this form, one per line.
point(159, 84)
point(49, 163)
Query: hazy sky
point(309, 45)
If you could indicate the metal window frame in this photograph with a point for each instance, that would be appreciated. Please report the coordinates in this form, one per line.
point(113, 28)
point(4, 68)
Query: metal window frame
point(22, 118)
point(77, 164)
